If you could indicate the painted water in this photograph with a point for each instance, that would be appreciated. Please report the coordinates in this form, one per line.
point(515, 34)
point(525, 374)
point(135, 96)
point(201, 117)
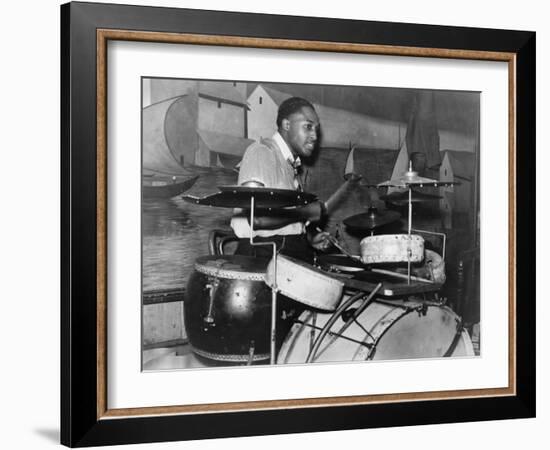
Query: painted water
point(175, 233)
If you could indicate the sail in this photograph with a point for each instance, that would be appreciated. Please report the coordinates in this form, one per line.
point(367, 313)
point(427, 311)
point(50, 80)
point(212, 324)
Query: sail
point(169, 136)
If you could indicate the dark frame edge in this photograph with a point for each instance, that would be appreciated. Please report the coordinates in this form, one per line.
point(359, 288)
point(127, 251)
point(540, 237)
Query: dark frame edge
point(525, 222)
point(65, 428)
point(78, 227)
point(302, 420)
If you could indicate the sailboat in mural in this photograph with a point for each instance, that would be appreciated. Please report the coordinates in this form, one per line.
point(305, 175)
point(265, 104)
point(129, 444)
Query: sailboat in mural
point(163, 174)
point(202, 129)
point(166, 186)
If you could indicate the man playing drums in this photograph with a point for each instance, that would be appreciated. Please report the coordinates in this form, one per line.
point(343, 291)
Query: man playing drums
point(276, 163)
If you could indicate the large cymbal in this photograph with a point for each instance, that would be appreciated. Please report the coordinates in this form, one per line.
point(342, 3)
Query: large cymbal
point(371, 219)
point(402, 198)
point(264, 198)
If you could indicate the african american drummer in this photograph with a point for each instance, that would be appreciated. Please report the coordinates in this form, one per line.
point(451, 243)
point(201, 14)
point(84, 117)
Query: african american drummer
point(276, 163)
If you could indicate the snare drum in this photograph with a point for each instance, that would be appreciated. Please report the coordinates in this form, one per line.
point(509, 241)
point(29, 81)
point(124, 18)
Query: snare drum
point(392, 248)
point(382, 331)
point(227, 309)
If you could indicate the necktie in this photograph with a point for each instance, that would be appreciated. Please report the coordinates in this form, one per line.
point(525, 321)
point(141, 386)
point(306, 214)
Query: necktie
point(295, 164)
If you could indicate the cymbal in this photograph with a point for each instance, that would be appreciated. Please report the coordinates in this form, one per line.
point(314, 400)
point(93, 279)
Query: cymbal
point(340, 262)
point(264, 198)
point(411, 178)
point(402, 198)
point(371, 219)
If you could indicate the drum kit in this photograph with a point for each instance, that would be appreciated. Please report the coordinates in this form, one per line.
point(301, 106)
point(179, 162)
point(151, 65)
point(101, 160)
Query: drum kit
point(354, 307)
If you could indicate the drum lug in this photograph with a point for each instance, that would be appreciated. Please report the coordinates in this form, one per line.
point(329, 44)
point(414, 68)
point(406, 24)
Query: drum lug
point(211, 287)
point(251, 351)
point(422, 309)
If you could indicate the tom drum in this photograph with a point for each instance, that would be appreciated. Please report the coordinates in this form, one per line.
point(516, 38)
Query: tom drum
point(227, 308)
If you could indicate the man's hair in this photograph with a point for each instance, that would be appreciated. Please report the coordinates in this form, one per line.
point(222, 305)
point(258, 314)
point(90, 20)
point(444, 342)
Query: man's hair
point(290, 106)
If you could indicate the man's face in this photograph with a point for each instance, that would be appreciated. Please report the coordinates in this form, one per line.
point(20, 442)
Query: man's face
point(301, 131)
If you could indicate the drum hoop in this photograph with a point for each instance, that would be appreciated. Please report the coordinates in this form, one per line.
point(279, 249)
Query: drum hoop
point(391, 237)
point(454, 343)
point(230, 357)
point(229, 274)
point(306, 301)
point(467, 342)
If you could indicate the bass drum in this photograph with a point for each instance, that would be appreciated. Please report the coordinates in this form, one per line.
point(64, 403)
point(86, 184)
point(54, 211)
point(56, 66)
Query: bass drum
point(382, 331)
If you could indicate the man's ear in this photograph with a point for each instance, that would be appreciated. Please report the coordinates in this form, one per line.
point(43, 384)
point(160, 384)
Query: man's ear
point(285, 124)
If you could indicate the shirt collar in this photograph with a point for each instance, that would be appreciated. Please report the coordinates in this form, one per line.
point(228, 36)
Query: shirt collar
point(287, 154)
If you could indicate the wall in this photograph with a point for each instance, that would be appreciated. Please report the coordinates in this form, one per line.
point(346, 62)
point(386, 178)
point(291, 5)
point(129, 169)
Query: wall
point(262, 116)
point(346, 124)
point(164, 89)
point(221, 117)
point(30, 229)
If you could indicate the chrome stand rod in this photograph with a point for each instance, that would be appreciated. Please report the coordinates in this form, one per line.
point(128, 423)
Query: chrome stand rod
point(410, 228)
point(274, 288)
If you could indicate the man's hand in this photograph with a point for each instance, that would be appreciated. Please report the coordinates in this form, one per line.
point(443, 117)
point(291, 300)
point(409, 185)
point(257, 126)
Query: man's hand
point(312, 212)
point(320, 241)
point(353, 178)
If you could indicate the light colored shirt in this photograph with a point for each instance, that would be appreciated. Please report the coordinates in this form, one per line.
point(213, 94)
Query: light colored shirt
point(268, 162)
point(294, 162)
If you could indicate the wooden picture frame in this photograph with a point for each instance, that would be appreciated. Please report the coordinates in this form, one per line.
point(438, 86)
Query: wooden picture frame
point(86, 418)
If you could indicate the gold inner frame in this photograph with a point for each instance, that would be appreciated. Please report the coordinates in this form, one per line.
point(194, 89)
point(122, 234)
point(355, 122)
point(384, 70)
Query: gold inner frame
point(103, 36)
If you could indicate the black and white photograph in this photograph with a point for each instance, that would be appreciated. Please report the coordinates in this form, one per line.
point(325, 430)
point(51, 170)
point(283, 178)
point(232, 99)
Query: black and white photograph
point(271, 225)
point(307, 223)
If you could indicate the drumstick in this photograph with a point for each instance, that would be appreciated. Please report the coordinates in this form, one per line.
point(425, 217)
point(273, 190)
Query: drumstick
point(335, 242)
point(337, 196)
point(401, 275)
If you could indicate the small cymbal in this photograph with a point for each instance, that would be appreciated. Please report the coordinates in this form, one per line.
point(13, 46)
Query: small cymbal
point(264, 198)
point(402, 198)
point(408, 178)
point(340, 262)
point(411, 178)
point(371, 219)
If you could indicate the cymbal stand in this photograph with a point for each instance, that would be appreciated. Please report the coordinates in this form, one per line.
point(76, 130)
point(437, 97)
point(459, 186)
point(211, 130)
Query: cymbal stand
point(443, 237)
point(274, 288)
point(410, 224)
point(410, 230)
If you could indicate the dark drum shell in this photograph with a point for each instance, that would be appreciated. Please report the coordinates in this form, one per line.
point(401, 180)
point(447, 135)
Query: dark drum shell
point(228, 308)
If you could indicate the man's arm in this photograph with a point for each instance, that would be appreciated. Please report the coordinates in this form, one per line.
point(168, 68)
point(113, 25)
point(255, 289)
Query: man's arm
point(272, 219)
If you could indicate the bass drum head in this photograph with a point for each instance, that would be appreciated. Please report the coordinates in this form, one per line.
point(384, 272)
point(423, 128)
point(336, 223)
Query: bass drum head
point(418, 335)
point(406, 330)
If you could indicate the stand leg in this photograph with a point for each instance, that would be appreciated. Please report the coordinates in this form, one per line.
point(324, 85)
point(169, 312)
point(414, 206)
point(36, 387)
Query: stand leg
point(273, 334)
point(410, 228)
point(273, 317)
